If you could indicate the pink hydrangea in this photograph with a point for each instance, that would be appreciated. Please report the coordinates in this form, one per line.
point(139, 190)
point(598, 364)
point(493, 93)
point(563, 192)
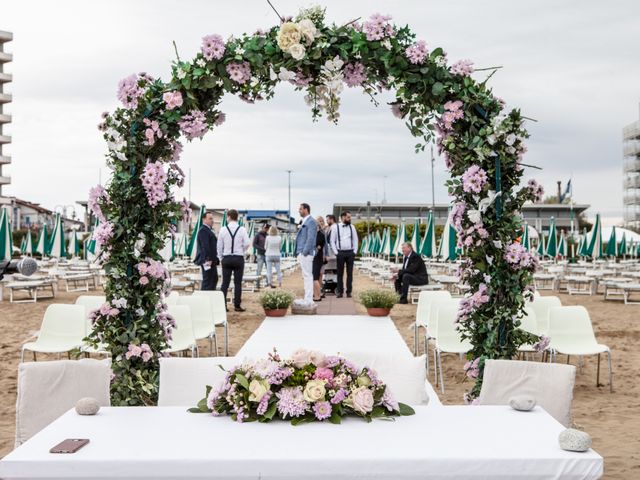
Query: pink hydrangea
point(185, 207)
point(462, 67)
point(457, 212)
point(323, 373)
point(172, 99)
point(472, 368)
point(239, 72)
point(139, 351)
point(378, 27)
point(130, 89)
point(213, 47)
point(453, 111)
point(354, 74)
point(97, 195)
point(417, 52)
point(193, 125)
point(518, 256)
point(176, 150)
point(152, 131)
point(153, 181)
point(472, 302)
point(103, 233)
point(474, 179)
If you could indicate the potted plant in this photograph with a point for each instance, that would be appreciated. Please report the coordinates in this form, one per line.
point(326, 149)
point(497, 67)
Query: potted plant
point(276, 303)
point(378, 302)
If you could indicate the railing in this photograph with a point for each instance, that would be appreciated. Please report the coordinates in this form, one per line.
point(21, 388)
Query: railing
point(632, 182)
point(631, 131)
point(631, 147)
point(631, 165)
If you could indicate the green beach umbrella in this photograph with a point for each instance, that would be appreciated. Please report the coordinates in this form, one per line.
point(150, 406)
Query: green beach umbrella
point(363, 246)
point(224, 219)
point(43, 240)
point(192, 248)
point(401, 237)
point(74, 245)
point(56, 247)
point(251, 231)
point(387, 244)
point(562, 245)
point(541, 246)
point(6, 242)
point(622, 246)
point(526, 242)
point(447, 248)
point(415, 236)
point(23, 245)
point(612, 245)
point(594, 240)
point(428, 246)
point(90, 243)
point(552, 240)
point(582, 250)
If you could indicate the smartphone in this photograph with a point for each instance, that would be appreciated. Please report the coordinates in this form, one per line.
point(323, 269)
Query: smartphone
point(70, 445)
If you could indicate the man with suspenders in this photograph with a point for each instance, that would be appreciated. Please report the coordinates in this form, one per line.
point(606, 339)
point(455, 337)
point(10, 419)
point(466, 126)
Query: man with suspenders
point(233, 242)
point(344, 243)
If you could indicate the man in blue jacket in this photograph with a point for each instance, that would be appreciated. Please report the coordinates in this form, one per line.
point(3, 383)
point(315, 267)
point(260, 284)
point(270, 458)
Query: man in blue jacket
point(207, 254)
point(306, 249)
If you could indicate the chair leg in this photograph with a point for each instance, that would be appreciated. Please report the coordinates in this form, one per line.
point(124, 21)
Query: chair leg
point(415, 339)
point(441, 376)
point(610, 373)
point(34, 356)
point(22, 356)
point(226, 339)
point(426, 350)
point(215, 340)
point(598, 373)
point(435, 366)
point(211, 346)
point(568, 357)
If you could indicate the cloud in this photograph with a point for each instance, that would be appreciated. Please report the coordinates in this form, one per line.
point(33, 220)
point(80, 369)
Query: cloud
point(570, 65)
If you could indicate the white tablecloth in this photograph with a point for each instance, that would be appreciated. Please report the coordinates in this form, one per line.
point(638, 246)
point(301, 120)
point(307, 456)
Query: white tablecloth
point(170, 443)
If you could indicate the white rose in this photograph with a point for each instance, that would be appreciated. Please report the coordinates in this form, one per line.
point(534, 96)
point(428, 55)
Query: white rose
point(474, 216)
point(361, 400)
point(301, 358)
point(314, 391)
point(288, 35)
point(510, 140)
point(296, 51)
point(308, 30)
point(317, 358)
point(257, 389)
point(286, 75)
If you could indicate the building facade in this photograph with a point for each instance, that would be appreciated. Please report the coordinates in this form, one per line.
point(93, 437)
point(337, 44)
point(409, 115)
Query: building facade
point(26, 215)
point(631, 168)
point(537, 215)
point(5, 118)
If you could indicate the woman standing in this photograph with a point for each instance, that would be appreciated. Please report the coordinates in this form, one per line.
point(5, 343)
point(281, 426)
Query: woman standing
point(318, 260)
point(272, 256)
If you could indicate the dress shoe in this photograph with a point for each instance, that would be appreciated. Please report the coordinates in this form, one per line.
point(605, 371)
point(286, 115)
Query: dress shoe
point(348, 295)
point(338, 295)
point(240, 309)
point(403, 301)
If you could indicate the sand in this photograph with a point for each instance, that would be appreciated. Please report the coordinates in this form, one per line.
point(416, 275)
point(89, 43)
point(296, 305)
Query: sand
point(612, 419)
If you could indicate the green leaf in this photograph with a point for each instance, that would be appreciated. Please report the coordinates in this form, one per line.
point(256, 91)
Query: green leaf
point(202, 405)
point(335, 419)
point(437, 89)
point(196, 410)
point(271, 411)
point(405, 410)
point(242, 380)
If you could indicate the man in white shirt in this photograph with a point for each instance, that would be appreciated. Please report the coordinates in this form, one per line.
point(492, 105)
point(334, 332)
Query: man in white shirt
point(344, 243)
point(233, 242)
point(306, 249)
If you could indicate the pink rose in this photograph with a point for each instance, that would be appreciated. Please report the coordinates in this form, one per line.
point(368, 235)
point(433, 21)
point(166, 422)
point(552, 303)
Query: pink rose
point(317, 358)
point(172, 99)
point(361, 400)
point(144, 280)
point(113, 312)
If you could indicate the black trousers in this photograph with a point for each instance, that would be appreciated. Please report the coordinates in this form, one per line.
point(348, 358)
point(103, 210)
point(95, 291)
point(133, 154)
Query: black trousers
point(209, 278)
point(345, 259)
point(233, 264)
point(402, 284)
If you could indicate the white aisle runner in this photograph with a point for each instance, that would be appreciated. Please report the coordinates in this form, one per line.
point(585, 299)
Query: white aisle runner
point(368, 341)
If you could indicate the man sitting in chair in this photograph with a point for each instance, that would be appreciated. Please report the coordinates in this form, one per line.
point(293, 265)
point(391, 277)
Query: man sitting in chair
point(413, 272)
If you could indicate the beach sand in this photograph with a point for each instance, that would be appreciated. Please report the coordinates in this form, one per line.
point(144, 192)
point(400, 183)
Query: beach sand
point(612, 419)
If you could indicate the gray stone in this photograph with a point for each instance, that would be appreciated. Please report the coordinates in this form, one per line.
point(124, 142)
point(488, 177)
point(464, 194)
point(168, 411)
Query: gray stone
point(299, 307)
point(574, 440)
point(87, 406)
point(522, 403)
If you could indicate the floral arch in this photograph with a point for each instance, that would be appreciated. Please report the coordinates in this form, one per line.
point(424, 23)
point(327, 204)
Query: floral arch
point(482, 144)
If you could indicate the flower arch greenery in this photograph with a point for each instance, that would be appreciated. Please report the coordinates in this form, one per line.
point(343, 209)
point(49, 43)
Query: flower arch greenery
point(481, 142)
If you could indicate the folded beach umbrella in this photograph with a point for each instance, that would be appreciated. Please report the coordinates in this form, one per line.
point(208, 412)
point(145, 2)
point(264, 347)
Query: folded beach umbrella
point(28, 244)
point(541, 247)
point(251, 231)
point(612, 245)
point(447, 248)
point(56, 247)
point(6, 242)
point(43, 241)
point(428, 246)
point(192, 248)
point(363, 246)
point(400, 239)
point(562, 246)
point(582, 250)
point(74, 245)
point(23, 244)
point(594, 240)
point(526, 242)
point(415, 236)
point(224, 219)
point(387, 243)
point(622, 246)
point(552, 240)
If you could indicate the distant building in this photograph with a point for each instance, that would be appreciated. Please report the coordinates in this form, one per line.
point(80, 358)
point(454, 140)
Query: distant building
point(5, 118)
point(28, 215)
point(631, 167)
point(537, 215)
point(278, 218)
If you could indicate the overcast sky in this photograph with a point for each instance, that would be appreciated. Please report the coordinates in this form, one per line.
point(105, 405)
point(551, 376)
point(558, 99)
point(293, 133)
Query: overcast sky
point(572, 65)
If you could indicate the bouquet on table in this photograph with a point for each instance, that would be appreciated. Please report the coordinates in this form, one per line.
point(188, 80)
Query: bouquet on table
point(307, 387)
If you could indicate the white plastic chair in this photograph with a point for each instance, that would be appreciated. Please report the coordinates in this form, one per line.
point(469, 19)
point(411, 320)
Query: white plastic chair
point(541, 307)
point(422, 312)
point(201, 319)
point(63, 329)
point(46, 390)
point(550, 384)
point(571, 333)
point(182, 336)
point(528, 323)
point(183, 381)
point(430, 330)
point(448, 338)
point(219, 312)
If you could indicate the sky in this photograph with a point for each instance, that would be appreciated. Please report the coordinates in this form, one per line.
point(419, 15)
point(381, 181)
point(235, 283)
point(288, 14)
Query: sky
point(571, 65)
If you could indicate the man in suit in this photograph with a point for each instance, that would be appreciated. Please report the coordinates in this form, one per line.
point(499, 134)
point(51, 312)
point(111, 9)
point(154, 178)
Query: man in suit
point(306, 248)
point(344, 243)
point(413, 272)
point(207, 253)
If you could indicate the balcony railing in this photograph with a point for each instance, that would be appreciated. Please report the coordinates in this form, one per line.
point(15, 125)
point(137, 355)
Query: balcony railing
point(5, 139)
point(5, 159)
point(631, 131)
point(631, 165)
point(631, 147)
point(5, 98)
point(5, 180)
point(632, 182)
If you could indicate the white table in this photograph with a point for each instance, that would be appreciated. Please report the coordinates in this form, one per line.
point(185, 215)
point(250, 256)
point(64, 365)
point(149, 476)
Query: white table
point(169, 443)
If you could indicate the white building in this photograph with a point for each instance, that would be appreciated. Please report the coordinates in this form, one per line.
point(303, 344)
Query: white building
point(631, 165)
point(5, 118)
